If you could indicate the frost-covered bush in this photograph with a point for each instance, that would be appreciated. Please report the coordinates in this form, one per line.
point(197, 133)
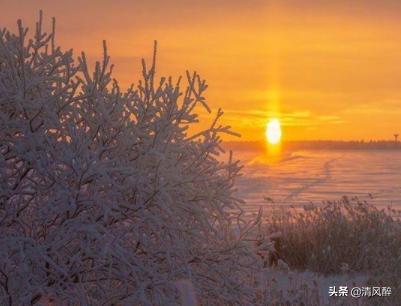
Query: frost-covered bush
point(105, 195)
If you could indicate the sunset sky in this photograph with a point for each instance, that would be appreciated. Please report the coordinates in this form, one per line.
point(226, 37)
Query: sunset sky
point(326, 69)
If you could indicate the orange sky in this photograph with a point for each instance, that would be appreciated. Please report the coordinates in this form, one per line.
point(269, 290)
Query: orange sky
point(328, 69)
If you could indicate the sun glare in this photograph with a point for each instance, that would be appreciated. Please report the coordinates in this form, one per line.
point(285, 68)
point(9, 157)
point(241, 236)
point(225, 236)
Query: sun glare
point(273, 131)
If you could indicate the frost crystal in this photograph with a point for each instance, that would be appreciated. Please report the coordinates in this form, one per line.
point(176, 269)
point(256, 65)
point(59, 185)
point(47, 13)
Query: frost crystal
point(105, 195)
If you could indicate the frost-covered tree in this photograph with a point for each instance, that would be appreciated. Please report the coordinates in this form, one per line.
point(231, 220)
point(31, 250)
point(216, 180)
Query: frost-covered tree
point(106, 198)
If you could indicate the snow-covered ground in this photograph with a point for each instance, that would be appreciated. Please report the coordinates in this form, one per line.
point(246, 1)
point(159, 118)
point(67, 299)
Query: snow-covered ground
point(296, 287)
point(303, 176)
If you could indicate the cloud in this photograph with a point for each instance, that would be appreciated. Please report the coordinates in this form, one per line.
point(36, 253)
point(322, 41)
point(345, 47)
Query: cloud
point(259, 118)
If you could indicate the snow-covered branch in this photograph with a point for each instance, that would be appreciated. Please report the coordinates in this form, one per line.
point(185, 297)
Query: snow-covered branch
point(105, 196)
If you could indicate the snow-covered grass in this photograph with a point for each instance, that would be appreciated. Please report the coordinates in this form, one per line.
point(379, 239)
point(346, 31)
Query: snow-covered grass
point(343, 237)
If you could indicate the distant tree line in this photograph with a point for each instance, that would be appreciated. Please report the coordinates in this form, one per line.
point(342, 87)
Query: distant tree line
point(345, 145)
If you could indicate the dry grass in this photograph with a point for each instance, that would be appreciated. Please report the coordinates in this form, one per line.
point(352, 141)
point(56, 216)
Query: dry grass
point(342, 237)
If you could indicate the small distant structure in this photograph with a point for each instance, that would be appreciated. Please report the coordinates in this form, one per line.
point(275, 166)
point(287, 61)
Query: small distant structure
point(395, 137)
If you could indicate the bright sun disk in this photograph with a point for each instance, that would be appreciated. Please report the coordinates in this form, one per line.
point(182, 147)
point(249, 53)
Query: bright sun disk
point(273, 131)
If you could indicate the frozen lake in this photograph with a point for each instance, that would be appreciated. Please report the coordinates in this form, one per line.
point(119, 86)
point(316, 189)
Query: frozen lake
point(301, 177)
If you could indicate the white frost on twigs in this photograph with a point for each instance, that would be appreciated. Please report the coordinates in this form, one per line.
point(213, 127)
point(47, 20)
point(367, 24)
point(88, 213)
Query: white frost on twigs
point(105, 197)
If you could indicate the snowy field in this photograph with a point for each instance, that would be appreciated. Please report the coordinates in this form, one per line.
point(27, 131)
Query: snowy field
point(302, 177)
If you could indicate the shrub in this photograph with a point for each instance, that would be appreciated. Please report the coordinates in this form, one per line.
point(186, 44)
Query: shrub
point(105, 195)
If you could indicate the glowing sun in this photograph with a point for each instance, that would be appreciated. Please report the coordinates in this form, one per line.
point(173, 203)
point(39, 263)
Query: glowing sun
point(273, 131)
